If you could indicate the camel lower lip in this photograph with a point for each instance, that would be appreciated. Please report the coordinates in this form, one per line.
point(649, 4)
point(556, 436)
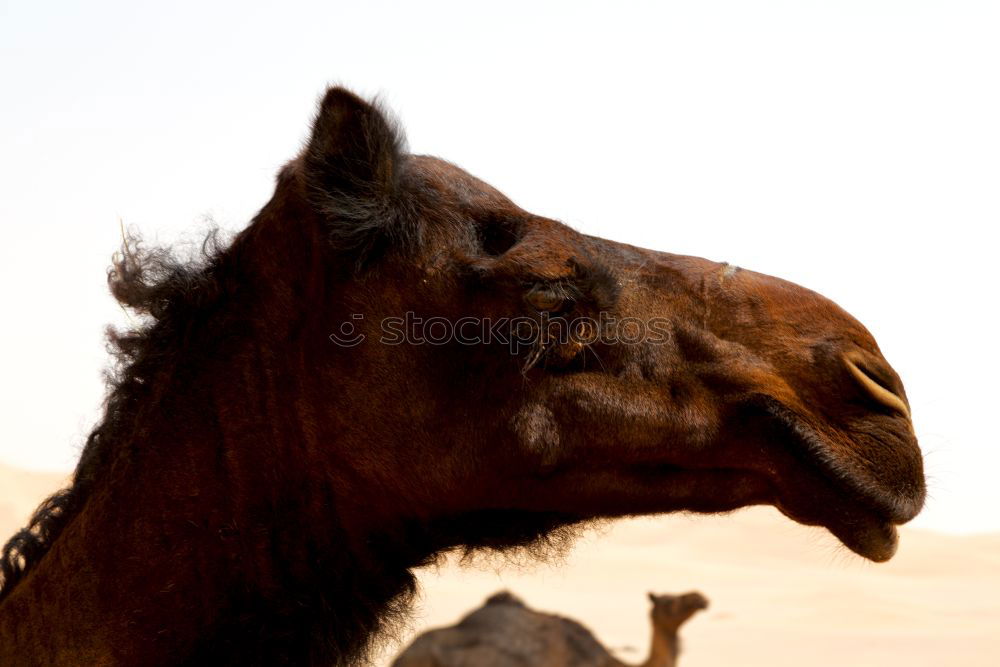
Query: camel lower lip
point(864, 533)
point(875, 540)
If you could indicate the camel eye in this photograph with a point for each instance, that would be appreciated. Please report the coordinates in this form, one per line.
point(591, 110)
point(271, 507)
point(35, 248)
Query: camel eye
point(547, 298)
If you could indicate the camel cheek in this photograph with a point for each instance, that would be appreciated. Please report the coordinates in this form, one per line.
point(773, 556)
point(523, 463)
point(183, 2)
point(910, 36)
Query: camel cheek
point(537, 430)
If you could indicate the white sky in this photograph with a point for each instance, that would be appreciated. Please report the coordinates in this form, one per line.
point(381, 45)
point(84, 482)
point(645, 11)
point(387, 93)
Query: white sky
point(853, 147)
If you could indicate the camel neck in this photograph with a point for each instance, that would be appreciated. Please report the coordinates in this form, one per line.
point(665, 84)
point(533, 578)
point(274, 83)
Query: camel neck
point(205, 539)
point(664, 648)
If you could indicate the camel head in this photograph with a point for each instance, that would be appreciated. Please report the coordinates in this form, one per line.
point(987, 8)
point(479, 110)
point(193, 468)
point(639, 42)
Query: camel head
point(672, 611)
point(487, 374)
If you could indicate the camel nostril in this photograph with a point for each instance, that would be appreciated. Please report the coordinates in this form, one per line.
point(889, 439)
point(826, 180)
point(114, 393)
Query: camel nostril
point(876, 387)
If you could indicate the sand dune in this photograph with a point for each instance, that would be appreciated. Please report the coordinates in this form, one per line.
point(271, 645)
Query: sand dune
point(782, 594)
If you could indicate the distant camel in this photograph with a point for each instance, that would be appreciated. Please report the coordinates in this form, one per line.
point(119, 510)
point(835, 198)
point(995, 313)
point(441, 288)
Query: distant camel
point(504, 632)
point(393, 360)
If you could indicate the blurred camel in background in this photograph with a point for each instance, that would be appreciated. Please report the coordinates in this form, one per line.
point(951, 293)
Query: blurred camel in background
point(504, 632)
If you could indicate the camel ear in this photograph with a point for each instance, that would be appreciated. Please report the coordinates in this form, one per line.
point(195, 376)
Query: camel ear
point(351, 168)
point(652, 598)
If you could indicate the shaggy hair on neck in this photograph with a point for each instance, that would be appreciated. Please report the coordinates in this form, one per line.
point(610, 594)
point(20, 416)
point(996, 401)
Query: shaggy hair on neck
point(170, 295)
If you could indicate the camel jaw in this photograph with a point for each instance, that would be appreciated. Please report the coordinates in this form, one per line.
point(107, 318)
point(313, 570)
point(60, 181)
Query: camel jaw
point(859, 527)
point(861, 531)
point(875, 540)
point(819, 481)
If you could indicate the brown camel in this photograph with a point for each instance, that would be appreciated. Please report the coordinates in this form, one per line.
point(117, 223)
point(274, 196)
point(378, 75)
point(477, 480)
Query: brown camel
point(393, 360)
point(504, 632)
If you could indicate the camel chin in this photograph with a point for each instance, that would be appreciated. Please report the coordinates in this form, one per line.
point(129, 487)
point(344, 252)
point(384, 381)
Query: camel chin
point(861, 531)
point(869, 537)
point(877, 542)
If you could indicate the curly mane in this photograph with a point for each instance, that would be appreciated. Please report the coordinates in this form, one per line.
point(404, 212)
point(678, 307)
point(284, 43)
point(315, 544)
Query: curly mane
point(170, 293)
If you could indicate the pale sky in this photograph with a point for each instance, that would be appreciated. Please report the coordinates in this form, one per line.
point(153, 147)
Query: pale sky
point(852, 147)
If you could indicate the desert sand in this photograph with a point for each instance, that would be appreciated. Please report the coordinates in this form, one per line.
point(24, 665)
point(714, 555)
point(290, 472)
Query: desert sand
point(781, 594)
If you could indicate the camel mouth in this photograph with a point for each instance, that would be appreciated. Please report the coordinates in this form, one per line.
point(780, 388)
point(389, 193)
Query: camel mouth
point(818, 482)
point(863, 532)
point(872, 539)
point(862, 525)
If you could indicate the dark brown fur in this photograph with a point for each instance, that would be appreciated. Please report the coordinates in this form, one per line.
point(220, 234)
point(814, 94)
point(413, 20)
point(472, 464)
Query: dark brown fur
point(256, 494)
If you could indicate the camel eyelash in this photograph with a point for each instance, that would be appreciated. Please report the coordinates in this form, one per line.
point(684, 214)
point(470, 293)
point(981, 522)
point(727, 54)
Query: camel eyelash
point(558, 297)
